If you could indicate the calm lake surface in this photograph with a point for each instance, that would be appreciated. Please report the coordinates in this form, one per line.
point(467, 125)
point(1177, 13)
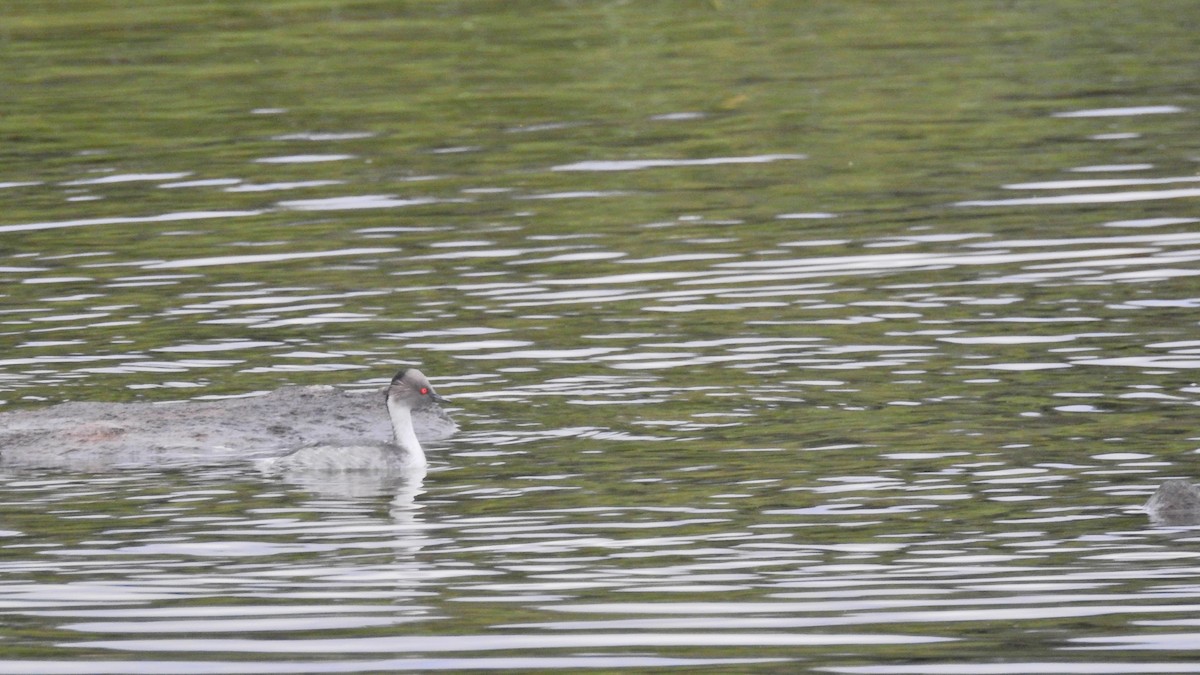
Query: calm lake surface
point(835, 336)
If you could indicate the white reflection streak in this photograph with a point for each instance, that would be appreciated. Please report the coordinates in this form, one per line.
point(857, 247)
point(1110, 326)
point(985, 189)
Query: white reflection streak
point(1091, 198)
point(1099, 183)
point(275, 300)
point(1022, 668)
point(263, 257)
point(1177, 238)
point(876, 263)
point(1122, 112)
point(355, 202)
point(303, 159)
point(1187, 363)
point(636, 164)
point(119, 220)
point(209, 666)
point(234, 625)
point(293, 185)
point(982, 612)
point(128, 178)
point(486, 642)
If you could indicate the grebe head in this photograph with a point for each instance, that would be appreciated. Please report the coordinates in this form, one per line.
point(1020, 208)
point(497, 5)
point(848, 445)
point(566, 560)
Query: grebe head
point(411, 389)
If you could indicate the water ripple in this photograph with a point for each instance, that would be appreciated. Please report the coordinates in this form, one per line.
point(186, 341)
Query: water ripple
point(637, 164)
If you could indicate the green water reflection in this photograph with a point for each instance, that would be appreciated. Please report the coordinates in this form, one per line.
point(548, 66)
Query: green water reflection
point(225, 197)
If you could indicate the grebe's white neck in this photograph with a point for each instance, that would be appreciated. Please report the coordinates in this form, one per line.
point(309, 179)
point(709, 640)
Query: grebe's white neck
point(406, 436)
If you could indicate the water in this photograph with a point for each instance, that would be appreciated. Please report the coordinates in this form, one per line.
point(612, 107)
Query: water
point(839, 337)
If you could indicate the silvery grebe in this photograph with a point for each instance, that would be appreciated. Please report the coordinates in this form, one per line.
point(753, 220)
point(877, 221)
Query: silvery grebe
point(408, 391)
point(319, 419)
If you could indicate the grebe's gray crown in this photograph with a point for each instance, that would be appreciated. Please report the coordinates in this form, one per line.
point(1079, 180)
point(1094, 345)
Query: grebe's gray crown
point(411, 387)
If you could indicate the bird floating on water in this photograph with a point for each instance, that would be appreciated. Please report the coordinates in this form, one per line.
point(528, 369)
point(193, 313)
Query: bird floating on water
point(409, 390)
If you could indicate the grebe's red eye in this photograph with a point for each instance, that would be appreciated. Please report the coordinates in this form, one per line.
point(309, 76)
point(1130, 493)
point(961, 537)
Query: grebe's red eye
point(424, 391)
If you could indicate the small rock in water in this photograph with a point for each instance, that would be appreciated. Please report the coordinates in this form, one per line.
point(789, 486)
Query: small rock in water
point(1176, 502)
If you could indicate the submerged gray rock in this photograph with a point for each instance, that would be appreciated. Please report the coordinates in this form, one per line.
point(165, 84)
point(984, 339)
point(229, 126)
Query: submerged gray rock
point(1176, 502)
point(95, 435)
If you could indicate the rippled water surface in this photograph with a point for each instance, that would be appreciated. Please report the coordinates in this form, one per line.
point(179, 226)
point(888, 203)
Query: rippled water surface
point(846, 337)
